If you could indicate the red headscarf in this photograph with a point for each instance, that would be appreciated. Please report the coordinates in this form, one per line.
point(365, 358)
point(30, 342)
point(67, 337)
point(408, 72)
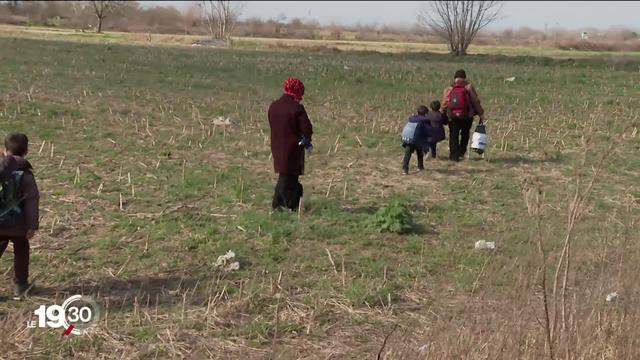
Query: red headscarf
point(294, 87)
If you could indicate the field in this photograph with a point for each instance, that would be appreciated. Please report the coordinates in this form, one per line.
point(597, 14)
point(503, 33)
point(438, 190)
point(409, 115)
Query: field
point(256, 43)
point(142, 191)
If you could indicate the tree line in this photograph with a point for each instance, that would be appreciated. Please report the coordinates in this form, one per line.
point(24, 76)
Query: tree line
point(457, 23)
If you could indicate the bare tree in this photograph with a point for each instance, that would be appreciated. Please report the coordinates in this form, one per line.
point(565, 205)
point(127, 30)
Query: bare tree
point(102, 8)
point(458, 22)
point(221, 17)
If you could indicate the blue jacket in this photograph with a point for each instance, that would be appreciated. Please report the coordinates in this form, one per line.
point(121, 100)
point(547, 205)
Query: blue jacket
point(437, 120)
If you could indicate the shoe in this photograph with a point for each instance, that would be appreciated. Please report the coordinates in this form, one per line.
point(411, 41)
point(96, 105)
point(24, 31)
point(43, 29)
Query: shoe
point(405, 172)
point(420, 169)
point(20, 291)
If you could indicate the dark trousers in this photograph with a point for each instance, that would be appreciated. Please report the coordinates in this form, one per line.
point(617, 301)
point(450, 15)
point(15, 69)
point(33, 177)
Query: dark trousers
point(459, 137)
point(432, 148)
point(408, 150)
point(20, 257)
point(287, 193)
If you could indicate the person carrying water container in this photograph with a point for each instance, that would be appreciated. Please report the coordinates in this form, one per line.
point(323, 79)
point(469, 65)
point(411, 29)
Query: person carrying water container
point(414, 138)
point(291, 133)
point(460, 102)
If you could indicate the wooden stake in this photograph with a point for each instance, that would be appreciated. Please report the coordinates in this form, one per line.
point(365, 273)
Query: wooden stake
point(344, 274)
point(344, 193)
point(329, 188)
point(331, 260)
point(53, 224)
point(42, 146)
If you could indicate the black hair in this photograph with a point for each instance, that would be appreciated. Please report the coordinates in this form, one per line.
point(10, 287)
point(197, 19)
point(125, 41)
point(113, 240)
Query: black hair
point(435, 105)
point(460, 74)
point(16, 143)
point(422, 110)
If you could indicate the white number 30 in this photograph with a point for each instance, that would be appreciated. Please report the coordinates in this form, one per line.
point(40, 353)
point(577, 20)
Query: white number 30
point(83, 314)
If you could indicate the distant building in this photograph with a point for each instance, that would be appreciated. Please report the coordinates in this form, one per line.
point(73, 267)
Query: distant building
point(584, 35)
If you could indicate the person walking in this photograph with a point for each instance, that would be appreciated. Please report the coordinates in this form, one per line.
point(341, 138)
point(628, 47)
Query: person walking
point(460, 103)
point(291, 133)
point(19, 208)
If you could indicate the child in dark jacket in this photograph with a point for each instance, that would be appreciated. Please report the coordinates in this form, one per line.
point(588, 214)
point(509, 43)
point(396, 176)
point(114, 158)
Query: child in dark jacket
point(20, 213)
point(418, 143)
point(437, 120)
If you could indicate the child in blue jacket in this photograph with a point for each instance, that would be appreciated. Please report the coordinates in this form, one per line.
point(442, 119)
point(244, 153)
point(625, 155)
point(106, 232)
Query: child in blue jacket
point(418, 142)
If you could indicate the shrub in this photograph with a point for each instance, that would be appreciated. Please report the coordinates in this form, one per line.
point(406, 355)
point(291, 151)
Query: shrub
point(394, 218)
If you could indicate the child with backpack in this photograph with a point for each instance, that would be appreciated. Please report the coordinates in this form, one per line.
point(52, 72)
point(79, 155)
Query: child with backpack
point(460, 103)
point(437, 120)
point(414, 136)
point(19, 207)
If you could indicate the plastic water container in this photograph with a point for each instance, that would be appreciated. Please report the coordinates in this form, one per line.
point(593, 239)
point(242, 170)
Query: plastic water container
point(479, 139)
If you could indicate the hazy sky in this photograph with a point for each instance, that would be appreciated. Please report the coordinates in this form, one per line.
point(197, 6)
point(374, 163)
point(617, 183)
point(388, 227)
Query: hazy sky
point(567, 14)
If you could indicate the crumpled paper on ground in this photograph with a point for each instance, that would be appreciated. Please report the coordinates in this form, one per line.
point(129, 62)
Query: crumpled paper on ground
point(224, 262)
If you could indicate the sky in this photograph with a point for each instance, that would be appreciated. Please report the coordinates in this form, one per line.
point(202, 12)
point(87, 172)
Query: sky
point(534, 14)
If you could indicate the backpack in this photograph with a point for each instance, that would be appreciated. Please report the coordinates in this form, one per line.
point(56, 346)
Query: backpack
point(415, 131)
point(459, 103)
point(10, 210)
point(409, 132)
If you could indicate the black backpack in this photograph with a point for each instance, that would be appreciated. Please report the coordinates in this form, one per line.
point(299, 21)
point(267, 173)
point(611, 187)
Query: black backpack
point(10, 201)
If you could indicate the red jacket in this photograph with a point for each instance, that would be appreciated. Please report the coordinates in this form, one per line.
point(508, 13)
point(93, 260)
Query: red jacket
point(30, 205)
point(289, 121)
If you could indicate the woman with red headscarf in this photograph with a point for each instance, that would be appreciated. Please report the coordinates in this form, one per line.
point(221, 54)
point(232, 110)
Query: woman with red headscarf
point(289, 126)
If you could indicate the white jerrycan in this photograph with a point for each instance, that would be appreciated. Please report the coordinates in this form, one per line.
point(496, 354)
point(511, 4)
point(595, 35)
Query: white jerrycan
point(479, 139)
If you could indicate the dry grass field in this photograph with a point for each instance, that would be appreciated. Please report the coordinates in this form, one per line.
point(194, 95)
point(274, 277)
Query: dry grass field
point(142, 191)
